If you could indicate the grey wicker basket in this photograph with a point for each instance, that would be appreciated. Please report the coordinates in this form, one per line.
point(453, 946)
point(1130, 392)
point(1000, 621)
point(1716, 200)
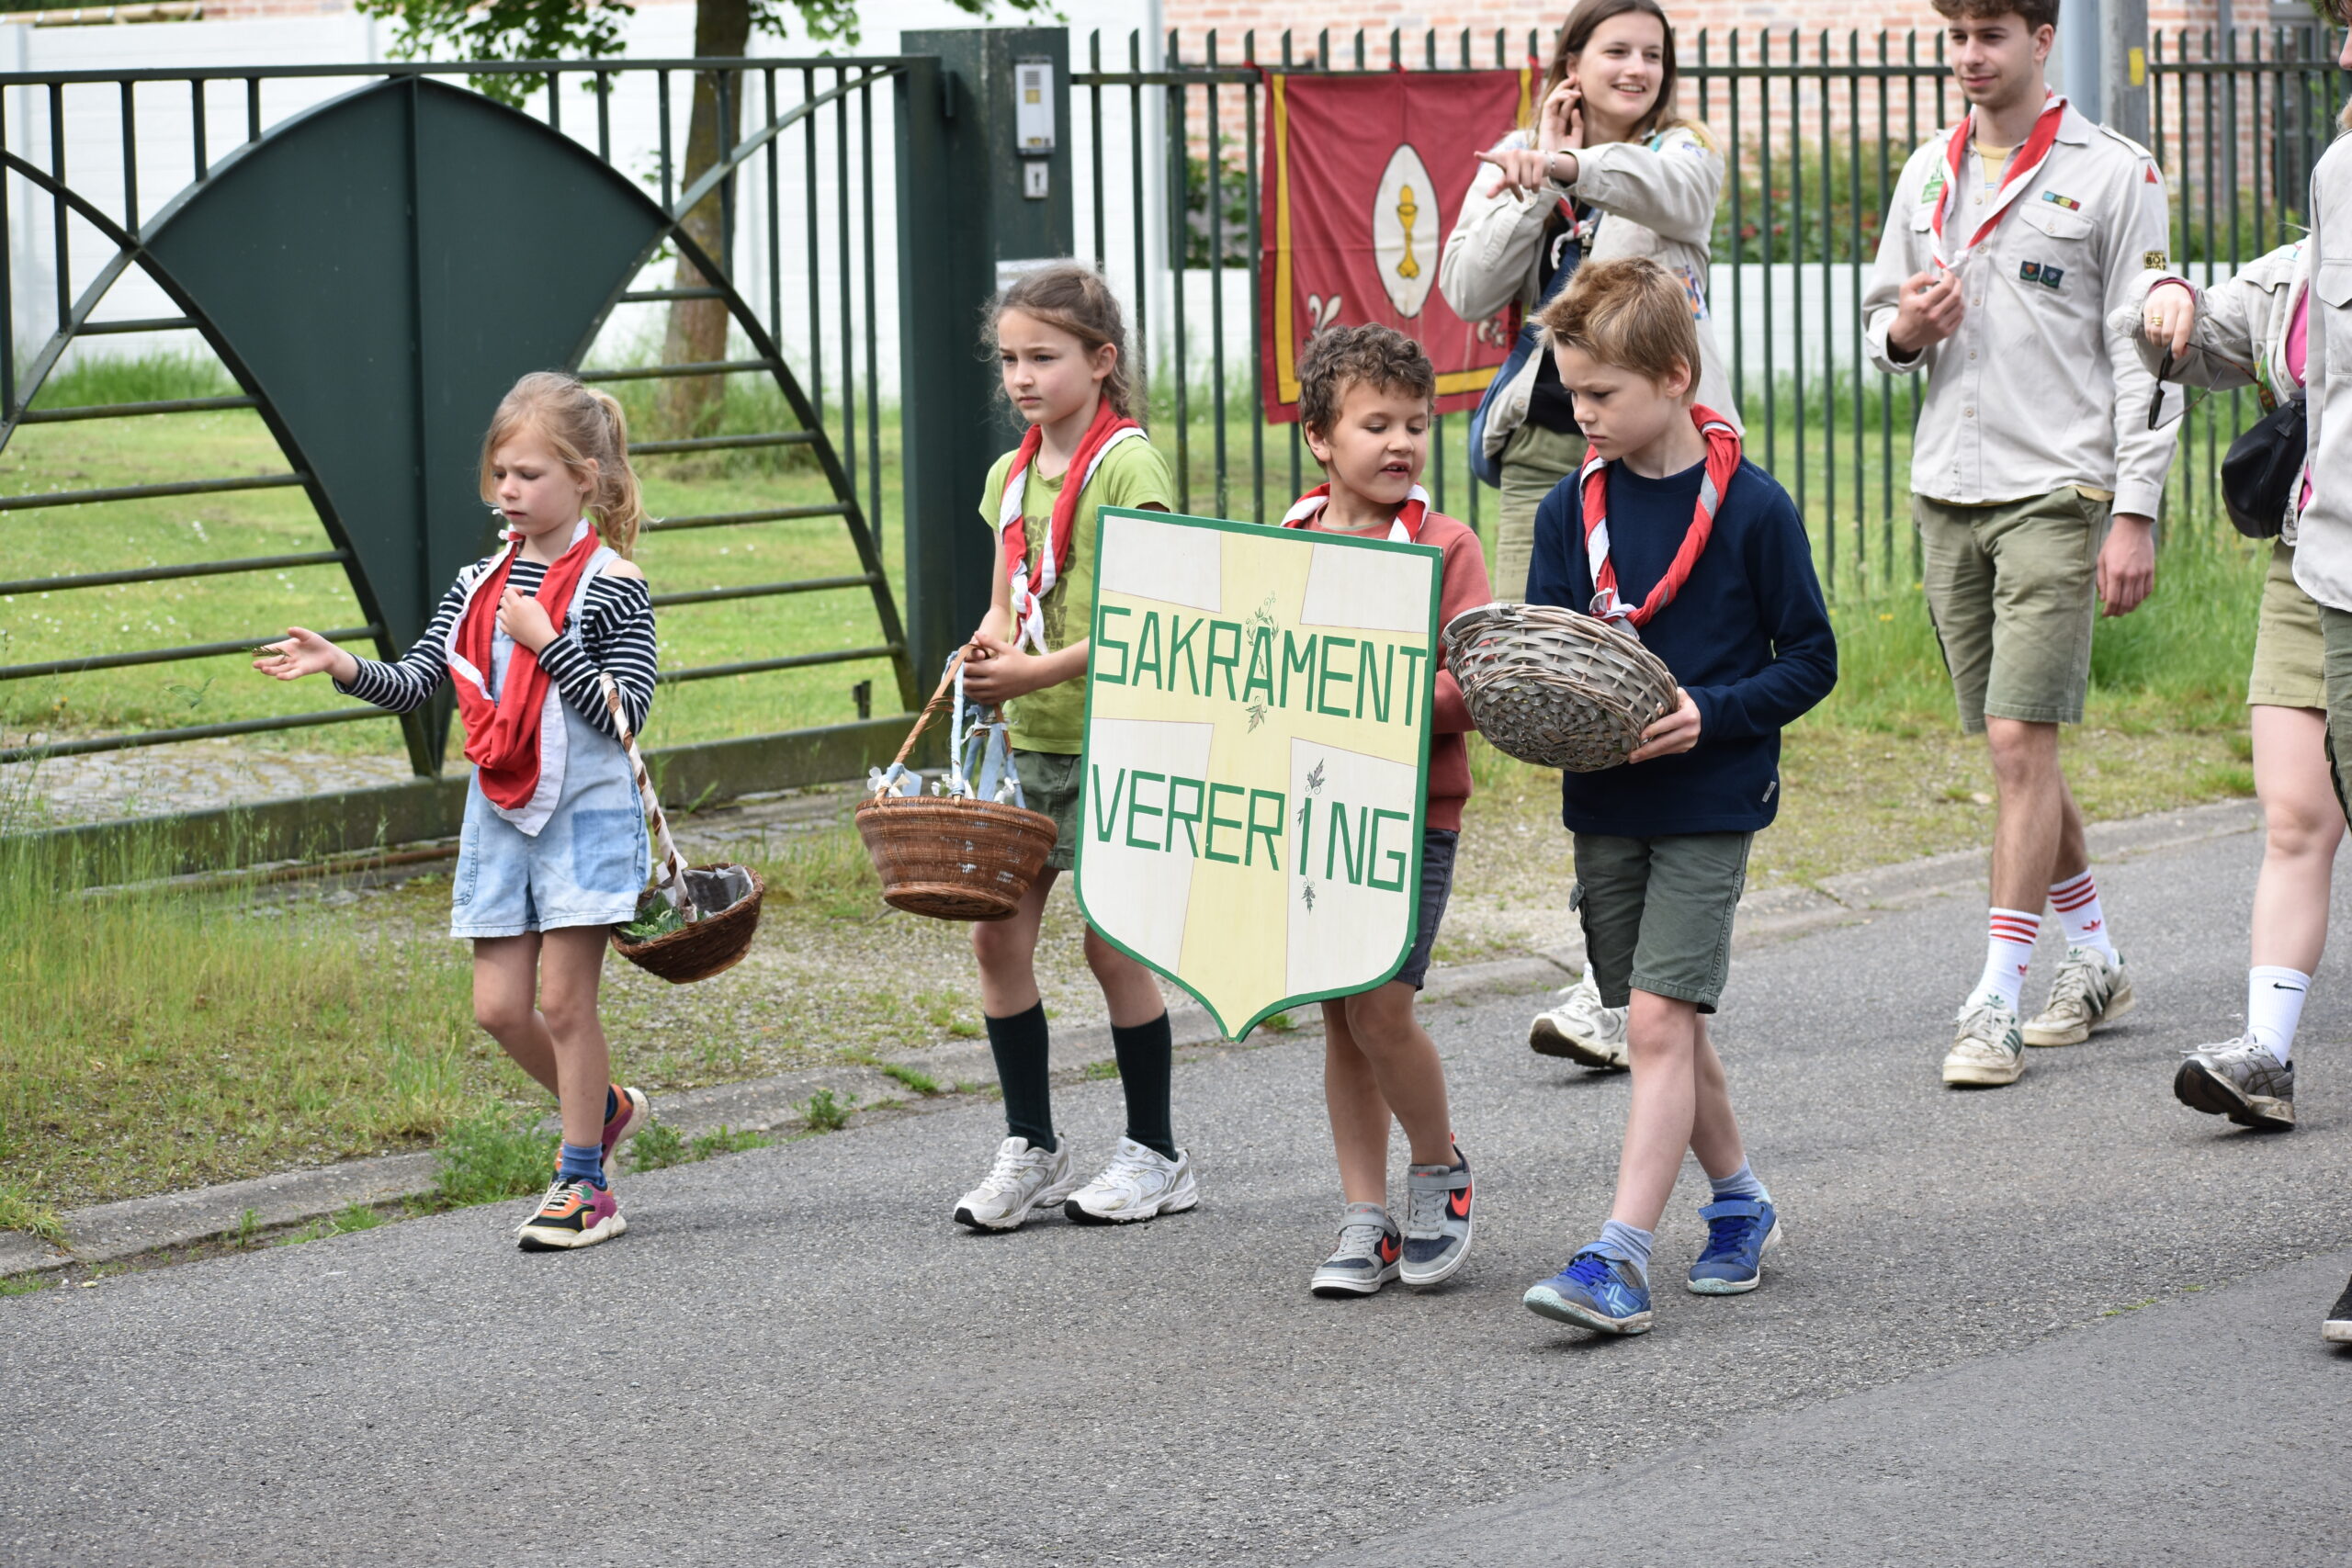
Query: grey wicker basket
point(1557, 688)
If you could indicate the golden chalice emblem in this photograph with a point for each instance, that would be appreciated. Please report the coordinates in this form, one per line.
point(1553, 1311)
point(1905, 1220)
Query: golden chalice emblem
point(1406, 212)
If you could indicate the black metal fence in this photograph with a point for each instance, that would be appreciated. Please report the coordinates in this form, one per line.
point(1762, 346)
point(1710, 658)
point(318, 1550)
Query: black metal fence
point(1816, 126)
point(764, 170)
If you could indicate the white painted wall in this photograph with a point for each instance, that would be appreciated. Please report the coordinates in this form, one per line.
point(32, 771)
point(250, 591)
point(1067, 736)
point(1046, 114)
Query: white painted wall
point(92, 120)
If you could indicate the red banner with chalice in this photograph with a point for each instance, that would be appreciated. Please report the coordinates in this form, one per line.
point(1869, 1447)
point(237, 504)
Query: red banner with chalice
point(1364, 176)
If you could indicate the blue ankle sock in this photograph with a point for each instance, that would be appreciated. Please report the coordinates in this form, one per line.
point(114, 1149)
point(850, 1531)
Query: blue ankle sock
point(1619, 1240)
point(612, 1104)
point(1740, 1183)
point(582, 1163)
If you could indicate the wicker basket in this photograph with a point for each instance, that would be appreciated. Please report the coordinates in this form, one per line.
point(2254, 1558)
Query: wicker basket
point(721, 901)
point(715, 942)
point(1557, 688)
point(949, 857)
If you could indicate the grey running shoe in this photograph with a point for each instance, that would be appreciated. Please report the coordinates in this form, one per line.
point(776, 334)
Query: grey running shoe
point(1582, 1030)
point(2337, 1329)
point(2089, 990)
point(1370, 1245)
point(1437, 1224)
point(1986, 1051)
point(2240, 1079)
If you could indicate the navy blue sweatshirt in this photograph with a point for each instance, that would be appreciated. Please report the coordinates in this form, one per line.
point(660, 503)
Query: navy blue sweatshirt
point(1749, 637)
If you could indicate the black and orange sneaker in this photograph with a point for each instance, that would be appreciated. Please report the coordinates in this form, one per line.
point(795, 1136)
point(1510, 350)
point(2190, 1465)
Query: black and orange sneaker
point(1437, 1222)
point(1370, 1245)
point(573, 1213)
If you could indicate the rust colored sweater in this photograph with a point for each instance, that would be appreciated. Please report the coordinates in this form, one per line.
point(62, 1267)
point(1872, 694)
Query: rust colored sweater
point(1462, 586)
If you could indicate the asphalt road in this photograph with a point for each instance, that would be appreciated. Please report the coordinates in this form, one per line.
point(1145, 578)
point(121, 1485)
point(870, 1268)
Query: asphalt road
point(796, 1355)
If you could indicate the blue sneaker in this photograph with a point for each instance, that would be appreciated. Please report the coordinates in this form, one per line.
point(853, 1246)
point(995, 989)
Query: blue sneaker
point(1739, 1230)
point(1595, 1291)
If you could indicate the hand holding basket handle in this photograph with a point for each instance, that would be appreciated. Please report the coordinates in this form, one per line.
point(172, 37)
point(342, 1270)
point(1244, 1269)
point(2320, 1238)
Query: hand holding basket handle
point(717, 904)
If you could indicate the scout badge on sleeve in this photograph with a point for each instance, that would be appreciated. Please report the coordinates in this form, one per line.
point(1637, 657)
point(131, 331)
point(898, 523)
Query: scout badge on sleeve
point(695, 920)
point(1257, 754)
point(970, 850)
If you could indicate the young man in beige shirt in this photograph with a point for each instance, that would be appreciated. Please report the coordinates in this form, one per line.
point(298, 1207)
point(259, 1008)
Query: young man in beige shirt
point(2035, 476)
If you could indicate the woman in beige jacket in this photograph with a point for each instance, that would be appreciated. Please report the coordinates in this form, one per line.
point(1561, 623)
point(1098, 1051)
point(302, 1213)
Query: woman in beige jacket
point(1608, 170)
point(2253, 331)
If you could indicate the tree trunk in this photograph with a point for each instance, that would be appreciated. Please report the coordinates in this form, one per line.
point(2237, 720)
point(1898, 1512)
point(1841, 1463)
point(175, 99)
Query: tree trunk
point(691, 405)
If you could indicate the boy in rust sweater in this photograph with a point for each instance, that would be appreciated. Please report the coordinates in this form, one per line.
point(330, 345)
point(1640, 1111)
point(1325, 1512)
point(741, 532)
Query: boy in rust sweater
point(1366, 396)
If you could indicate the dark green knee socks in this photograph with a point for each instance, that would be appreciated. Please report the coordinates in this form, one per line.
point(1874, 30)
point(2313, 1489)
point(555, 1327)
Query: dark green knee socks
point(1146, 1054)
point(1019, 1046)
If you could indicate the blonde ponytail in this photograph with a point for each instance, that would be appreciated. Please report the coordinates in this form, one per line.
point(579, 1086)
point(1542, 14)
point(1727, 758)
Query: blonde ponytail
point(583, 425)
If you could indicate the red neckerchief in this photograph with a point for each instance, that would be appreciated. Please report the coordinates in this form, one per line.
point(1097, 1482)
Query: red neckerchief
point(2023, 165)
point(1404, 529)
point(1723, 461)
point(502, 737)
point(1028, 615)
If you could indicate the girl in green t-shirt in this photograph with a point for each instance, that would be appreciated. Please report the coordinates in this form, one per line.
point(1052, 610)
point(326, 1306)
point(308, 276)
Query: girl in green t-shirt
point(1063, 348)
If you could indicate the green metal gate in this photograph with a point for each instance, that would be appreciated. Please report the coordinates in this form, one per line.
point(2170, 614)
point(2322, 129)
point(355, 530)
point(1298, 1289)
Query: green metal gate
point(373, 271)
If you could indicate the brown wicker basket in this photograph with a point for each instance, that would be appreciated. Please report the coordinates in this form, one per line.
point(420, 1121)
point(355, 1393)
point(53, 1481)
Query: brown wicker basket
point(1557, 688)
point(721, 901)
point(950, 857)
point(953, 859)
point(715, 942)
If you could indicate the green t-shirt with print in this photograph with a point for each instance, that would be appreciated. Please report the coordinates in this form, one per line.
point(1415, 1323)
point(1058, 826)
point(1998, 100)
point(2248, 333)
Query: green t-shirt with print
point(1133, 473)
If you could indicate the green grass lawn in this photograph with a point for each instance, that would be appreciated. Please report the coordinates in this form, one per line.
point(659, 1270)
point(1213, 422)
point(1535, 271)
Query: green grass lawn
point(158, 1039)
point(40, 626)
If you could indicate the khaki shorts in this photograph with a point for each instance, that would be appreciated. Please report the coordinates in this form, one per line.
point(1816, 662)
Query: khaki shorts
point(2289, 650)
point(1049, 782)
point(2336, 626)
point(1657, 912)
point(2012, 589)
point(1534, 460)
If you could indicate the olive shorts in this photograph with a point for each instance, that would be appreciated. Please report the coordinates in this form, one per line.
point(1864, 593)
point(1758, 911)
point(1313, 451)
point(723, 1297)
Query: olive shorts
point(1049, 782)
point(2012, 589)
point(2289, 649)
point(1657, 912)
point(2335, 626)
point(1534, 460)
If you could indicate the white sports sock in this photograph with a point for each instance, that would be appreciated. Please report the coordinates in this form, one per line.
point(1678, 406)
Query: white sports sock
point(2076, 901)
point(2273, 1006)
point(2008, 950)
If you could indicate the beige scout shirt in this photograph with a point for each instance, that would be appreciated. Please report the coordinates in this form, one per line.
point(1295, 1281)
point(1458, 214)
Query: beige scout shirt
point(2323, 544)
point(2034, 392)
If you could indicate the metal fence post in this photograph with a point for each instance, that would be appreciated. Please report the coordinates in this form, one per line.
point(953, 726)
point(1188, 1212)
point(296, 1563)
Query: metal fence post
point(963, 223)
point(2123, 63)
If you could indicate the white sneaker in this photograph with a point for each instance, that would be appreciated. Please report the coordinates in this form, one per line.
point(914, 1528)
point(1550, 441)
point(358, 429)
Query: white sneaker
point(1582, 1030)
point(1023, 1179)
point(2089, 990)
point(1138, 1184)
point(1985, 1050)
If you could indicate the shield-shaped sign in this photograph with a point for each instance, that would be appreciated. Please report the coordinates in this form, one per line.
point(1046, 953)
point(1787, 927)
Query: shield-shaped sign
point(1257, 738)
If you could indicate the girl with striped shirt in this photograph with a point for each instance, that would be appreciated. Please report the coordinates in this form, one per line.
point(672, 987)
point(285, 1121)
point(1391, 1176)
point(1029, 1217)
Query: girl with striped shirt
point(553, 852)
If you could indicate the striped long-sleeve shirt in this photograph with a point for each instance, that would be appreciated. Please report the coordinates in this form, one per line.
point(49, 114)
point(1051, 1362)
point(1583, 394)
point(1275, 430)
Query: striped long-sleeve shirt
point(611, 632)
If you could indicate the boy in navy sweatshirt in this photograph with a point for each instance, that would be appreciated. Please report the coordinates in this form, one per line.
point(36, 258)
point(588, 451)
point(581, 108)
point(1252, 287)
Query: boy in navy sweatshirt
point(1671, 533)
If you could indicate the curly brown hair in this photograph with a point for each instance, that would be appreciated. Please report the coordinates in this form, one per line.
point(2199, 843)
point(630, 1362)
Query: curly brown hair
point(2037, 14)
point(1377, 355)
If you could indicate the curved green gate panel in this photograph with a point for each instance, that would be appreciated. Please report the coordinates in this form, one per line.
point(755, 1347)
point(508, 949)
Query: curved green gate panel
point(376, 272)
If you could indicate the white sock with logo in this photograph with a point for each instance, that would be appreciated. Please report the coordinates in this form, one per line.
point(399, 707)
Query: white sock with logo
point(2076, 901)
point(2273, 1006)
point(2008, 950)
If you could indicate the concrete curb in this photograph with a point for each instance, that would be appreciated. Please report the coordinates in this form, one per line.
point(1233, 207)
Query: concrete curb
point(111, 1232)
